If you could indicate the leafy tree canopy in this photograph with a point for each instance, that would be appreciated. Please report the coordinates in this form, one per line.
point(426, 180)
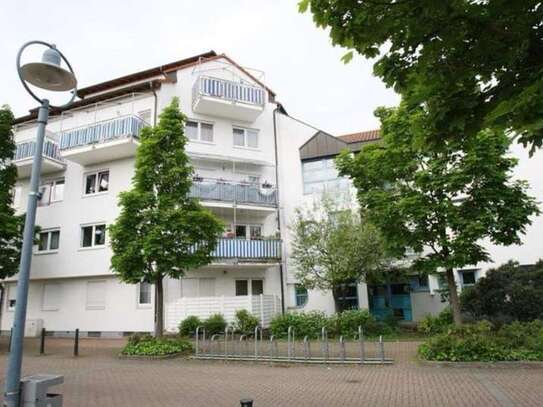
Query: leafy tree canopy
point(440, 201)
point(474, 64)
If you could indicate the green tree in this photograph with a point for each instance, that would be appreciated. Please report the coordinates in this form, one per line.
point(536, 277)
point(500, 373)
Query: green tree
point(474, 64)
point(333, 246)
point(439, 201)
point(10, 224)
point(161, 231)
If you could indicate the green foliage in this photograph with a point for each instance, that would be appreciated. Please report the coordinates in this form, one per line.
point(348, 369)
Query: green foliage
point(11, 226)
point(215, 324)
point(480, 342)
point(346, 323)
point(245, 322)
point(333, 245)
point(161, 231)
point(472, 64)
point(188, 326)
point(440, 200)
point(303, 323)
point(433, 325)
point(507, 293)
point(146, 345)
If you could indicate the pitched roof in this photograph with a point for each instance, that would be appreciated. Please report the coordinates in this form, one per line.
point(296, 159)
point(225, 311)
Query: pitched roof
point(361, 137)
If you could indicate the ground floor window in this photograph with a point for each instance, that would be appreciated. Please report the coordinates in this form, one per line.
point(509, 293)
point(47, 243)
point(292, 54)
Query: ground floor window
point(468, 277)
point(144, 294)
point(347, 296)
point(96, 294)
point(242, 287)
point(390, 300)
point(51, 296)
point(301, 295)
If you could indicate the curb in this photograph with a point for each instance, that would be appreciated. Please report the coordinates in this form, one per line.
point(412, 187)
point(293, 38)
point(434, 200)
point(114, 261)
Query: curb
point(150, 357)
point(483, 365)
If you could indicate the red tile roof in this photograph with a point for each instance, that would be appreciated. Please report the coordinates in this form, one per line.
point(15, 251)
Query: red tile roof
point(361, 137)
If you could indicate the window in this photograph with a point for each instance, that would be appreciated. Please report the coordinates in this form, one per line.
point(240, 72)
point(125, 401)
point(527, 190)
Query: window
point(144, 294)
point(468, 277)
point(198, 287)
point(241, 231)
point(51, 192)
point(419, 283)
point(145, 115)
point(252, 232)
point(96, 182)
point(301, 295)
point(257, 287)
point(93, 235)
point(242, 287)
point(255, 232)
point(245, 137)
point(347, 296)
point(199, 131)
point(96, 294)
point(11, 297)
point(49, 240)
point(322, 176)
point(51, 297)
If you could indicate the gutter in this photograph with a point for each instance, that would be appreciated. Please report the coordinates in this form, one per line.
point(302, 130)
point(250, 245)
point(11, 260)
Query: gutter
point(281, 273)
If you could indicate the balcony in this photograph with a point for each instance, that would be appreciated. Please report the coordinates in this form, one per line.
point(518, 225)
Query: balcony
point(52, 161)
point(208, 189)
point(220, 97)
point(102, 141)
point(246, 250)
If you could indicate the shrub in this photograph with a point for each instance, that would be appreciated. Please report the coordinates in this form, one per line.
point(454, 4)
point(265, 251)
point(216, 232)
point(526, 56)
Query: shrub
point(303, 323)
point(346, 323)
point(481, 342)
point(188, 326)
point(432, 325)
point(136, 338)
point(149, 346)
point(245, 322)
point(215, 324)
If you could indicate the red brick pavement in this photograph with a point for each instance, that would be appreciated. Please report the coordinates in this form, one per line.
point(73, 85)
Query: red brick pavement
point(98, 378)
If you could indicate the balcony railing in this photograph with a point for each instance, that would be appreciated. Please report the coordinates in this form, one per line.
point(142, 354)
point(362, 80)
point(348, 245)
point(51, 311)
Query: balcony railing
point(102, 132)
point(226, 191)
point(26, 149)
point(251, 250)
point(228, 90)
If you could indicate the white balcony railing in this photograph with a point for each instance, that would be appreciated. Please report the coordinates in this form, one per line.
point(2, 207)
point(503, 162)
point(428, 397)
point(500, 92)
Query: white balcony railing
point(102, 132)
point(26, 149)
point(209, 189)
point(248, 250)
point(228, 90)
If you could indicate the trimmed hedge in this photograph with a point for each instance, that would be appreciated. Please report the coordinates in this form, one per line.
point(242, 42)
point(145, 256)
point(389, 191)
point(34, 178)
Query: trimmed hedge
point(146, 345)
point(481, 342)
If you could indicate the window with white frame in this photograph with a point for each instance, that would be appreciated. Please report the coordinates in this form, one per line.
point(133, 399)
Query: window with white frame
point(301, 295)
point(468, 277)
point(197, 287)
point(245, 137)
point(199, 131)
point(144, 294)
point(51, 297)
point(52, 191)
point(322, 176)
point(49, 240)
point(11, 296)
point(96, 182)
point(93, 235)
point(249, 287)
point(96, 294)
point(251, 232)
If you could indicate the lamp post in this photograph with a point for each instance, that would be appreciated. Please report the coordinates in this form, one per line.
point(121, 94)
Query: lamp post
point(49, 75)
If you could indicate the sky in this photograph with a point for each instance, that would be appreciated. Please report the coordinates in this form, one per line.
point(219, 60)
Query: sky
point(107, 39)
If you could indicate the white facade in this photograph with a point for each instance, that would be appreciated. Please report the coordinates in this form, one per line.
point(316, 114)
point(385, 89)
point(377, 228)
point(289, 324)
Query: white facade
point(247, 171)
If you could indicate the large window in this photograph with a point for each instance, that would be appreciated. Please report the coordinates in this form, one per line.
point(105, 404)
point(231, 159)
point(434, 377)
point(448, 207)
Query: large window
point(246, 287)
point(96, 182)
point(301, 295)
point(49, 240)
point(245, 137)
point(52, 191)
point(144, 294)
point(199, 131)
point(93, 235)
point(322, 176)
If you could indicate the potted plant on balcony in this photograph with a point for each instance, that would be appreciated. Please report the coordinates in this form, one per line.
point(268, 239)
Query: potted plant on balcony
point(267, 185)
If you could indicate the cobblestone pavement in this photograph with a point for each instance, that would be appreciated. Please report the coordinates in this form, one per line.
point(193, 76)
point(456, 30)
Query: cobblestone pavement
point(98, 378)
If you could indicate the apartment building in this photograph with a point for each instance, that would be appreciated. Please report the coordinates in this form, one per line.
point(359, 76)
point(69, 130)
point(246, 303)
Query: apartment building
point(254, 165)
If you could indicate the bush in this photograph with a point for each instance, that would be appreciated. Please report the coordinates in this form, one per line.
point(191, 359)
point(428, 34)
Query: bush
point(215, 324)
point(433, 325)
point(146, 345)
point(508, 293)
point(482, 342)
point(245, 322)
point(303, 323)
point(188, 326)
point(346, 323)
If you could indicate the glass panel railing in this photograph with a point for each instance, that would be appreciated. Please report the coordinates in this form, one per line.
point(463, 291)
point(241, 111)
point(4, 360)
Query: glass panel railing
point(218, 190)
point(26, 149)
point(229, 90)
point(102, 132)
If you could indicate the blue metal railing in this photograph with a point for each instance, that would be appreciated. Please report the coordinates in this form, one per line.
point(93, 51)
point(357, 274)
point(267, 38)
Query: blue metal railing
point(217, 190)
point(101, 132)
point(26, 150)
point(229, 90)
point(248, 249)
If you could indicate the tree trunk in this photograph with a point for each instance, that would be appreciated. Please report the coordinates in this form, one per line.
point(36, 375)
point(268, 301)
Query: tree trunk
point(337, 302)
point(159, 307)
point(453, 297)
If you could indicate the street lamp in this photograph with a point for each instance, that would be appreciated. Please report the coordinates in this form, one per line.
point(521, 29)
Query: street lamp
point(49, 75)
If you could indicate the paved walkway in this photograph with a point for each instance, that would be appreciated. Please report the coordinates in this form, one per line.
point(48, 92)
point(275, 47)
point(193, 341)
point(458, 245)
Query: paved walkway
point(98, 378)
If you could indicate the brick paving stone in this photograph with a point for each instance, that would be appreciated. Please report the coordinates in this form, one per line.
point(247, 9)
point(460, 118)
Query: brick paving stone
point(98, 378)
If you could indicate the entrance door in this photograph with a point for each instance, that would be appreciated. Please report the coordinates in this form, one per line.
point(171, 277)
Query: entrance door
point(390, 299)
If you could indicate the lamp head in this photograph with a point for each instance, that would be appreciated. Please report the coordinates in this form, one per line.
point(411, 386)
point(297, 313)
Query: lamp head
point(48, 74)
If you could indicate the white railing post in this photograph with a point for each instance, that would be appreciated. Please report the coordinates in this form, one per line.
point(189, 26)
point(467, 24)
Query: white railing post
point(262, 309)
point(222, 304)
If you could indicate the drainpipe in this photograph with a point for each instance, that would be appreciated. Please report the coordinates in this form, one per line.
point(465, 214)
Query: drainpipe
point(281, 273)
point(156, 103)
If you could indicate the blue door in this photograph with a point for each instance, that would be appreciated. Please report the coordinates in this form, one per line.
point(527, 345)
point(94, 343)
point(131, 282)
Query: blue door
point(390, 299)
